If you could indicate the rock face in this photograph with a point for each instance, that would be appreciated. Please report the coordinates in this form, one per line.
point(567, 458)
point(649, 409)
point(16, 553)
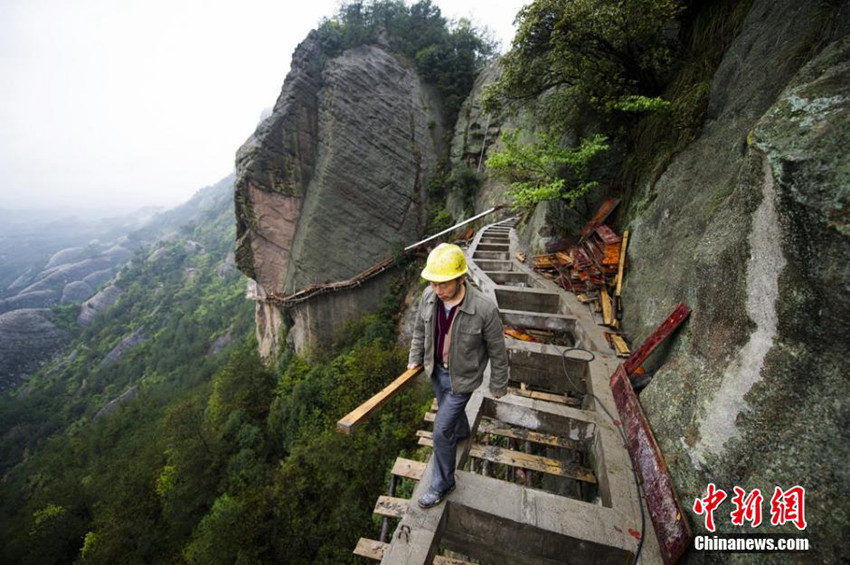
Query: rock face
point(113, 404)
point(332, 180)
point(126, 344)
point(748, 226)
point(98, 303)
point(28, 339)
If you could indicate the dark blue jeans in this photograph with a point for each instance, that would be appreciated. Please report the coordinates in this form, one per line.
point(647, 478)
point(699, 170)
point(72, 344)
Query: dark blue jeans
point(450, 426)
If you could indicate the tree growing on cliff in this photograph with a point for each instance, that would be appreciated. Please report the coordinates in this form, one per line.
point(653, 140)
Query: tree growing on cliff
point(446, 54)
point(587, 51)
point(546, 170)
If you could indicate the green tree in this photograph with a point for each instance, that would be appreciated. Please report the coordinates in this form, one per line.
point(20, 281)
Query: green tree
point(587, 51)
point(446, 54)
point(545, 170)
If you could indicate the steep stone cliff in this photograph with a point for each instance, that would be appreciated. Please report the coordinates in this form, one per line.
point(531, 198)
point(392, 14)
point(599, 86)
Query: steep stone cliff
point(748, 226)
point(332, 182)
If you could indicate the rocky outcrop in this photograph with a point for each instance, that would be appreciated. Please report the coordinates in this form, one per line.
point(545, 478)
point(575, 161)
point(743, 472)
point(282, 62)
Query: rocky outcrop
point(332, 180)
point(76, 292)
point(70, 276)
point(126, 344)
point(101, 301)
point(28, 339)
point(113, 404)
point(220, 343)
point(97, 278)
point(748, 226)
point(32, 299)
point(69, 255)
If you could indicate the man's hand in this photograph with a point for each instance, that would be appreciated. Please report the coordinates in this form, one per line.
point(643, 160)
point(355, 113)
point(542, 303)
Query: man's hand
point(412, 365)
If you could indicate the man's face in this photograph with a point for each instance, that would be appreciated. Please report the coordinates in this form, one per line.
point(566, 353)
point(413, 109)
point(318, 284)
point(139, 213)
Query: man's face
point(447, 291)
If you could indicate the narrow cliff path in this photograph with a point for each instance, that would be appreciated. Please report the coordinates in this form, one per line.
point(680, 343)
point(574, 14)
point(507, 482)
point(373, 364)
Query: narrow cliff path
point(545, 476)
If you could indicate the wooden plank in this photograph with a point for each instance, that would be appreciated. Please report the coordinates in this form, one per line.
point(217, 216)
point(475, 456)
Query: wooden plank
point(391, 507)
point(430, 416)
point(441, 560)
point(662, 332)
point(507, 430)
point(371, 549)
point(547, 465)
point(426, 442)
point(623, 245)
point(620, 346)
point(366, 410)
point(607, 317)
point(671, 525)
point(434, 405)
point(408, 468)
point(424, 433)
point(545, 396)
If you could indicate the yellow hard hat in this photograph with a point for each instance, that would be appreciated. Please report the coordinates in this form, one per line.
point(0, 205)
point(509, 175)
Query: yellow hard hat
point(445, 262)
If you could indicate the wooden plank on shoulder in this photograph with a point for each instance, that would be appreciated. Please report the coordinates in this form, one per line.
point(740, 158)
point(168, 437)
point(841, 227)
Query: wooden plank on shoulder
point(366, 410)
point(390, 506)
point(547, 465)
point(370, 549)
point(408, 468)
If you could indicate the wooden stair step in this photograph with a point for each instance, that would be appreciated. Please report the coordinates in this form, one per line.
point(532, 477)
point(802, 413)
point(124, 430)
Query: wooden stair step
point(390, 506)
point(430, 416)
point(506, 430)
point(408, 468)
point(370, 549)
point(546, 396)
point(547, 465)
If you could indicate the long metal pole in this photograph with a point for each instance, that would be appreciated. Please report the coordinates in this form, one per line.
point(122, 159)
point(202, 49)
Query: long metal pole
point(454, 227)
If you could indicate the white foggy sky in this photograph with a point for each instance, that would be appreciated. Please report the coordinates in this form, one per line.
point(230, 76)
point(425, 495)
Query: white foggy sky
point(124, 103)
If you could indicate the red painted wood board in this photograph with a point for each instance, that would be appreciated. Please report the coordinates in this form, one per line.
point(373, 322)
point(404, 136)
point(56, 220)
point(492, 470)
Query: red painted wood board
point(671, 525)
point(662, 332)
point(600, 216)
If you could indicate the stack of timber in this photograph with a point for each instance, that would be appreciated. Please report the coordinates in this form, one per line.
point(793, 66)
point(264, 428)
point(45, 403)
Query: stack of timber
point(592, 268)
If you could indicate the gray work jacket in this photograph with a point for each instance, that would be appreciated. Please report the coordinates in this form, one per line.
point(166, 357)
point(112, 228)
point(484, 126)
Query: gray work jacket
point(476, 337)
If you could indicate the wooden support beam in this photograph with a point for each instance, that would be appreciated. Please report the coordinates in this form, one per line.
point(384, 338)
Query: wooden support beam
point(607, 316)
point(623, 245)
point(547, 396)
point(669, 518)
point(370, 549)
point(366, 410)
point(441, 560)
point(507, 430)
point(390, 506)
point(620, 346)
point(662, 332)
point(532, 462)
point(408, 468)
